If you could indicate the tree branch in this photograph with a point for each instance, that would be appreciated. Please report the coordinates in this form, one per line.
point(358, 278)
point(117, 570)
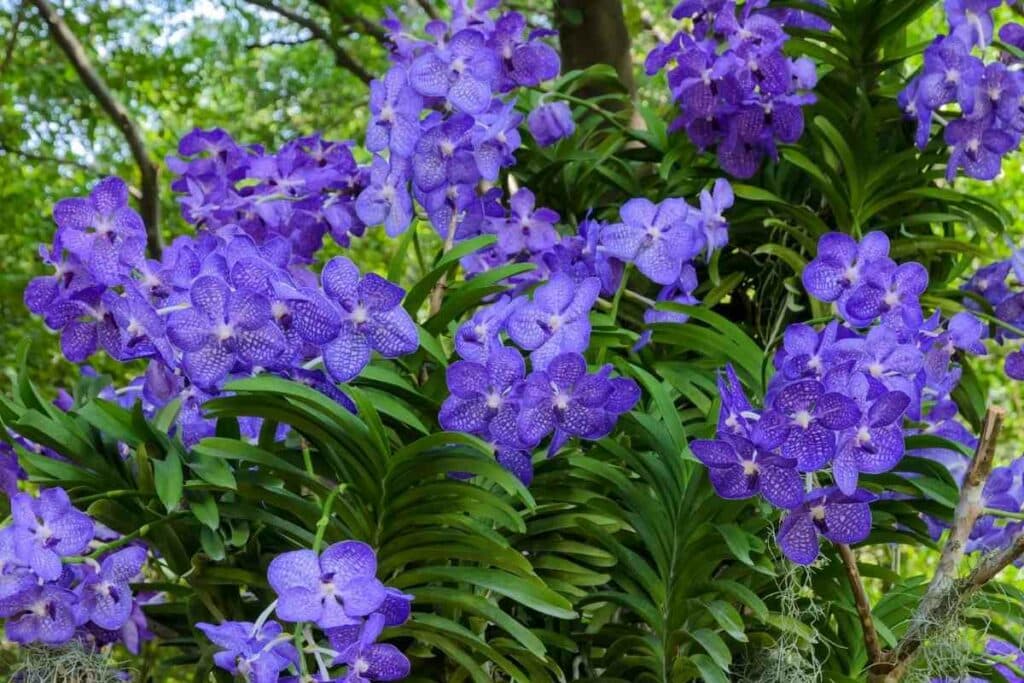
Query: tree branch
point(429, 9)
point(342, 58)
point(19, 16)
point(359, 22)
point(272, 43)
point(29, 156)
point(72, 48)
point(945, 595)
point(860, 598)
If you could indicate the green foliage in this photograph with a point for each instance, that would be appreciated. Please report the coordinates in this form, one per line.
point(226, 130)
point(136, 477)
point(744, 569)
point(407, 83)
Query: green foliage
point(619, 563)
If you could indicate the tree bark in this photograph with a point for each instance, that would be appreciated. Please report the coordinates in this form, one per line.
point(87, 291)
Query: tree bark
point(149, 204)
point(599, 36)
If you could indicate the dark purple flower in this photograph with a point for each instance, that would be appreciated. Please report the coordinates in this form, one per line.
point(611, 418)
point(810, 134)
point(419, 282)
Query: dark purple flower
point(464, 72)
point(105, 593)
point(950, 74)
point(978, 148)
point(334, 589)
point(41, 614)
point(257, 654)
point(556, 321)
point(713, 205)
point(842, 263)
point(566, 399)
point(48, 528)
point(480, 391)
point(658, 238)
point(444, 155)
point(825, 512)
point(875, 444)
point(971, 20)
point(478, 336)
point(527, 227)
point(386, 200)
point(366, 659)
point(223, 327)
point(804, 417)
point(528, 63)
point(739, 469)
point(550, 123)
point(737, 412)
point(891, 293)
point(372, 319)
point(101, 230)
point(396, 108)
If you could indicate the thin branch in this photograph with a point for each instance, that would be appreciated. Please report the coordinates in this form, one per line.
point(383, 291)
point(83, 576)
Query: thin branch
point(42, 158)
point(13, 40)
point(429, 8)
point(996, 562)
point(437, 293)
point(72, 48)
point(272, 43)
point(359, 23)
point(342, 58)
point(860, 598)
point(945, 595)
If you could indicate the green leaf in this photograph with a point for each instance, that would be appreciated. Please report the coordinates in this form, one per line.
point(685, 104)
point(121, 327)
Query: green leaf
point(204, 507)
point(168, 478)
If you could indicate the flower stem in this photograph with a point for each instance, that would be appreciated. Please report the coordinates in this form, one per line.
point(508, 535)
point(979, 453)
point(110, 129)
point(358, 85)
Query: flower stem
point(325, 516)
point(126, 539)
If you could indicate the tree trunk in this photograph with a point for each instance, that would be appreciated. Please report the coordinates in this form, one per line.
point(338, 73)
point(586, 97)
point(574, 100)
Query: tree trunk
point(594, 32)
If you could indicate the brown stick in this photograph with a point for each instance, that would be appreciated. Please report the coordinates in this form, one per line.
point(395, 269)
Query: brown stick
point(341, 56)
point(437, 293)
point(860, 598)
point(149, 204)
point(944, 596)
point(429, 9)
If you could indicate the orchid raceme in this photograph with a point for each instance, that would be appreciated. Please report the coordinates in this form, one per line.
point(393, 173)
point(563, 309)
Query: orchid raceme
point(549, 374)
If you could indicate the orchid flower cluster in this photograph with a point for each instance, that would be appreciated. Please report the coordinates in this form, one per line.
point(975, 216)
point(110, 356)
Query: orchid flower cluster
point(837, 402)
point(444, 121)
point(988, 120)
point(991, 284)
point(737, 89)
point(493, 397)
point(338, 592)
point(229, 301)
point(50, 593)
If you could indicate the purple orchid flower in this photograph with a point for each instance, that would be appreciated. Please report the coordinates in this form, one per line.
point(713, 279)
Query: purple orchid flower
point(825, 512)
point(739, 469)
point(386, 200)
point(480, 391)
point(464, 72)
point(528, 227)
point(102, 230)
point(842, 263)
point(105, 592)
point(366, 659)
point(396, 108)
point(556, 321)
point(372, 319)
point(875, 444)
point(48, 528)
point(258, 655)
point(42, 614)
point(477, 337)
point(550, 123)
point(334, 589)
point(804, 419)
point(658, 238)
point(564, 398)
point(223, 327)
